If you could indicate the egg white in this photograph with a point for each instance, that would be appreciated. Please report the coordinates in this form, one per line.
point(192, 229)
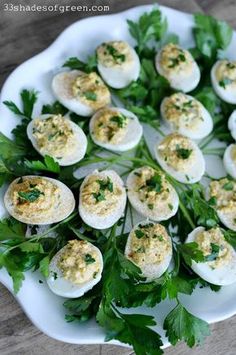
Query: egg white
point(226, 94)
point(61, 87)
point(75, 156)
point(150, 271)
point(142, 208)
point(223, 275)
point(180, 81)
point(131, 138)
point(203, 129)
point(232, 124)
point(62, 210)
point(92, 218)
point(229, 164)
point(189, 177)
point(122, 76)
point(65, 288)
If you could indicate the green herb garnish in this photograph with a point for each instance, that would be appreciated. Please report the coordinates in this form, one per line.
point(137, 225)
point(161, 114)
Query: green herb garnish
point(89, 259)
point(90, 95)
point(31, 195)
point(183, 153)
point(139, 234)
point(119, 120)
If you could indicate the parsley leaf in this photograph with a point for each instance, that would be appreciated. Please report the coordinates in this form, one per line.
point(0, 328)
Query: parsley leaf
point(190, 251)
point(12, 229)
point(130, 328)
point(182, 325)
point(120, 120)
point(83, 308)
point(155, 183)
point(31, 195)
point(214, 252)
point(76, 63)
point(99, 196)
point(55, 108)
point(49, 164)
point(150, 26)
point(89, 259)
point(183, 153)
point(139, 234)
point(211, 35)
point(90, 95)
point(29, 99)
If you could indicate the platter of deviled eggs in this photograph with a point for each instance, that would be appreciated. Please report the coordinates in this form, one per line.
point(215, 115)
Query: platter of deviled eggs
point(124, 131)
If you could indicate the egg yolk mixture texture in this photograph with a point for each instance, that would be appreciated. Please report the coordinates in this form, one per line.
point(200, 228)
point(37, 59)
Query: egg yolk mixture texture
point(174, 60)
point(213, 244)
point(91, 90)
point(79, 262)
point(223, 195)
point(153, 189)
point(181, 111)
point(178, 152)
point(100, 195)
point(110, 126)
point(149, 244)
point(114, 54)
point(233, 153)
point(54, 136)
point(34, 197)
point(226, 74)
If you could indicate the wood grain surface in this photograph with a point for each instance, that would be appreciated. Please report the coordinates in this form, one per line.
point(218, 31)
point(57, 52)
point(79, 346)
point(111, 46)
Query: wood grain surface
point(23, 35)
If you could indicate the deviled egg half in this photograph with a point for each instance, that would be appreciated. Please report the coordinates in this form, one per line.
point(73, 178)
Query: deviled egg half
point(58, 137)
point(219, 267)
point(180, 157)
point(80, 92)
point(102, 199)
point(178, 67)
point(39, 200)
point(118, 63)
point(115, 129)
point(222, 194)
point(75, 269)
point(229, 160)
point(223, 79)
point(184, 114)
point(232, 124)
point(149, 247)
point(151, 195)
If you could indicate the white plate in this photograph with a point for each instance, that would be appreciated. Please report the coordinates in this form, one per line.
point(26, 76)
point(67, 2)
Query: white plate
point(43, 307)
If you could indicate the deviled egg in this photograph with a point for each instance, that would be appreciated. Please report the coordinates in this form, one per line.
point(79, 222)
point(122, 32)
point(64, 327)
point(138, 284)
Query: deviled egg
point(118, 63)
point(102, 199)
point(178, 67)
point(223, 193)
point(180, 157)
point(38, 200)
point(232, 124)
point(186, 115)
point(219, 267)
point(149, 247)
point(223, 79)
point(115, 129)
point(151, 195)
point(58, 137)
point(80, 92)
point(75, 269)
point(230, 160)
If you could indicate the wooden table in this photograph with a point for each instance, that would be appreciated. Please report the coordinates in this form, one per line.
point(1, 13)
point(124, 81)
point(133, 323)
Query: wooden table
point(23, 35)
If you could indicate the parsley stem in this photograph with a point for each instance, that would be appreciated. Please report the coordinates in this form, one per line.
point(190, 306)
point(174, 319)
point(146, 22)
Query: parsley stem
point(36, 237)
point(214, 151)
point(206, 141)
point(186, 214)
